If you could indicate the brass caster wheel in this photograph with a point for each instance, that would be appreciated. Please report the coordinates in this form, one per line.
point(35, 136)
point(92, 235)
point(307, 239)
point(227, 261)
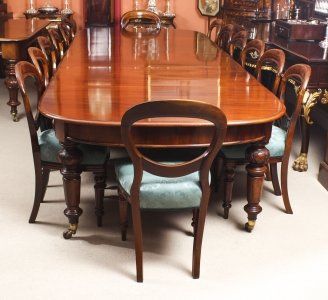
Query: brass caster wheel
point(301, 163)
point(249, 226)
point(67, 234)
point(15, 117)
point(70, 231)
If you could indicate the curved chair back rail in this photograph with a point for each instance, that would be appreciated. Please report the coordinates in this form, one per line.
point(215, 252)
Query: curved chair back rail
point(237, 28)
point(298, 76)
point(141, 18)
point(215, 25)
point(224, 37)
point(66, 35)
point(202, 164)
point(253, 49)
point(49, 51)
point(72, 25)
point(57, 42)
point(237, 44)
point(272, 60)
point(40, 62)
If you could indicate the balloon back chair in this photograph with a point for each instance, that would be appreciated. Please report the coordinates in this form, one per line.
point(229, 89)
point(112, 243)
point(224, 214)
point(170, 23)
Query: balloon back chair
point(291, 92)
point(147, 184)
point(45, 147)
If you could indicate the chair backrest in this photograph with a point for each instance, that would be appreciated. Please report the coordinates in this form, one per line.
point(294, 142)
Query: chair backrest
point(70, 22)
point(269, 68)
point(251, 54)
point(224, 37)
point(237, 28)
point(217, 25)
point(49, 51)
point(237, 45)
point(141, 21)
point(291, 91)
point(65, 33)
point(41, 63)
point(173, 108)
point(24, 70)
point(57, 42)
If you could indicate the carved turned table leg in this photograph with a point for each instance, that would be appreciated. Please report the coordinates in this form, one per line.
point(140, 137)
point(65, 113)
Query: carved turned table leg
point(258, 156)
point(71, 157)
point(12, 86)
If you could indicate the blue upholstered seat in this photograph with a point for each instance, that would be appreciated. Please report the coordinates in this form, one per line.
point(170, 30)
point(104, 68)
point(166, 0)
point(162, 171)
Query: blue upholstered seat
point(276, 146)
point(49, 147)
point(161, 192)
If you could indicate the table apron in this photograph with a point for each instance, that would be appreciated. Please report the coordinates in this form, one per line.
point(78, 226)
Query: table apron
point(160, 136)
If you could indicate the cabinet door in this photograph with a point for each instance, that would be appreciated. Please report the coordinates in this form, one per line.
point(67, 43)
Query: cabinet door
point(98, 12)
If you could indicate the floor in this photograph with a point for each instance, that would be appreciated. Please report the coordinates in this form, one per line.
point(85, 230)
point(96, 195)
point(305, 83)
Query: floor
point(285, 257)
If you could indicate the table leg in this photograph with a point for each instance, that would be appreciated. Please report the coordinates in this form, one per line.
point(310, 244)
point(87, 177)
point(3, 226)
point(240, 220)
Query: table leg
point(258, 156)
point(71, 157)
point(12, 86)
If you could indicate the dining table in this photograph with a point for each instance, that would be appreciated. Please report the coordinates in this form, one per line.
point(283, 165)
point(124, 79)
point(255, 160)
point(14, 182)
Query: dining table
point(106, 71)
point(16, 36)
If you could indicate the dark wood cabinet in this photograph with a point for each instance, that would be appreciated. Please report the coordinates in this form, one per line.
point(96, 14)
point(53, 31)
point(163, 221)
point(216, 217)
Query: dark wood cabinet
point(99, 12)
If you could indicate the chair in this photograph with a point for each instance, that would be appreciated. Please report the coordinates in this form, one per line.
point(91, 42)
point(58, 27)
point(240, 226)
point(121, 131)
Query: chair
point(269, 69)
point(217, 25)
point(49, 51)
point(71, 24)
point(251, 54)
point(147, 184)
point(224, 37)
point(45, 148)
point(237, 45)
point(291, 92)
point(57, 42)
point(66, 36)
point(40, 62)
point(237, 28)
point(141, 21)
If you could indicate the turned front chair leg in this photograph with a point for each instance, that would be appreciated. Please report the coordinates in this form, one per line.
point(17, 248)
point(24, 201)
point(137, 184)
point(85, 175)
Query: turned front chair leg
point(100, 184)
point(71, 157)
point(229, 176)
point(258, 156)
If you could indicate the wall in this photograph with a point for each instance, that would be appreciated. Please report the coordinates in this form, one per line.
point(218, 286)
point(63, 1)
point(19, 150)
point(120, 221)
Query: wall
point(187, 15)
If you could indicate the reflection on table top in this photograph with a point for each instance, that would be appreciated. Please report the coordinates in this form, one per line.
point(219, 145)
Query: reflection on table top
point(104, 73)
point(20, 29)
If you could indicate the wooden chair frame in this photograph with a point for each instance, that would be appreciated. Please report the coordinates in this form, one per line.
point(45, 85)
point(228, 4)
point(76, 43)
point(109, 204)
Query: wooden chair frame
point(141, 17)
point(24, 70)
point(49, 51)
point(172, 108)
point(255, 48)
point(238, 41)
point(224, 37)
point(217, 25)
point(272, 60)
point(57, 42)
point(297, 73)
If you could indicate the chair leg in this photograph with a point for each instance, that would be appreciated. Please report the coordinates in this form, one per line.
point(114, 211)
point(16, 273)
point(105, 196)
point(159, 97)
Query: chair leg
point(100, 184)
point(137, 228)
point(268, 174)
point(228, 186)
point(216, 171)
point(45, 181)
point(198, 239)
point(123, 208)
point(195, 214)
point(37, 194)
point(275, 179)
point(284, 187)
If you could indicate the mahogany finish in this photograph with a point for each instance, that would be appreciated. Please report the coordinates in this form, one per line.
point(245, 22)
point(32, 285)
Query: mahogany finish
point(58, 43)
point(49, 51)
point(40, 62)
point(252, 52)
point(98, 12)
point(104, 73)
point(141, 163)
point(143, 19)
point(224, 37)
point(298, 74)
point(272, 60)
point(25, 70)
point(237, 45)
point(215, 25)
point(16, 35)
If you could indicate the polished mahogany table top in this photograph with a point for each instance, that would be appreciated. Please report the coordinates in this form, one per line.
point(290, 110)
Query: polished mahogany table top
point(20, 29)
point(105, 72)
